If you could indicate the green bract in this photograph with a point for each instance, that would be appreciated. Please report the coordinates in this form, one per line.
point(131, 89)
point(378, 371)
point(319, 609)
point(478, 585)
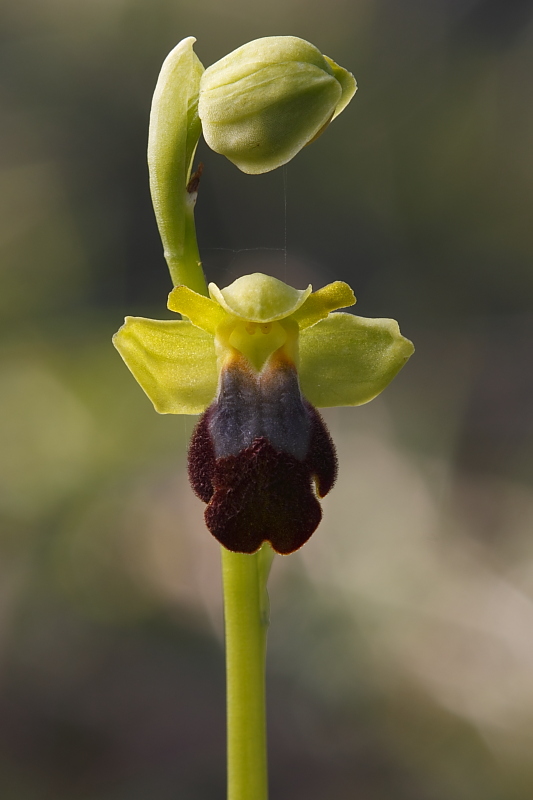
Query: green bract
point(343, 360)
point(172, 139)
point(263, 102)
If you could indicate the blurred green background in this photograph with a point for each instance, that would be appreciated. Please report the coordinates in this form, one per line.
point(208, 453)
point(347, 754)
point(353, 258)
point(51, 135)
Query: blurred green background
point(401, 647)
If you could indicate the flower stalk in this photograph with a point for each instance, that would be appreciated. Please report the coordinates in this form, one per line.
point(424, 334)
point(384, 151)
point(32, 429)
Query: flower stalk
point(246, 624)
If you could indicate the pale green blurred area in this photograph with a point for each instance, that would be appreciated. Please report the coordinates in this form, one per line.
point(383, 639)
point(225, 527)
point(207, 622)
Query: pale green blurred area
point(401, 647)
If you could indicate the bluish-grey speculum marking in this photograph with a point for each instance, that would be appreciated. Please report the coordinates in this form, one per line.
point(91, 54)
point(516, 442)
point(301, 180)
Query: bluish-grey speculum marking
point(251, 405)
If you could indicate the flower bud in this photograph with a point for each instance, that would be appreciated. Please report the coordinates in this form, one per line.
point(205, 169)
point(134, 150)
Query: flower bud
point(269, 98)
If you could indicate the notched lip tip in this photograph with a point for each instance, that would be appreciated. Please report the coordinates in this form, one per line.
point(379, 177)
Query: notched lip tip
point(254, 552)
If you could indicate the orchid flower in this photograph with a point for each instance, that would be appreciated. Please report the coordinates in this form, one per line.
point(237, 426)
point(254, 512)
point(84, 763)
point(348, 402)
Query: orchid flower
point(257, 358)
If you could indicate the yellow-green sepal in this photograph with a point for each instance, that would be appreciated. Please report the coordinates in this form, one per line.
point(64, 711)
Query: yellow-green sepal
point(347, 360)
point(173, 361)
point(318, 305)
point(202, 311)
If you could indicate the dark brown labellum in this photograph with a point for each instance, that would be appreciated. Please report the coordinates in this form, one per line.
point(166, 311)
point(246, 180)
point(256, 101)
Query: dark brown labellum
point(259, 457)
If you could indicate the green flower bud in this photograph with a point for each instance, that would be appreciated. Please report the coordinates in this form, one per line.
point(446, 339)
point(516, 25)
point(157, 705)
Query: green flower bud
point(269, 98)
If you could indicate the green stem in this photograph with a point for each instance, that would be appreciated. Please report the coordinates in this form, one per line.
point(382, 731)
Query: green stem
point(183, 261)
point(246, 623)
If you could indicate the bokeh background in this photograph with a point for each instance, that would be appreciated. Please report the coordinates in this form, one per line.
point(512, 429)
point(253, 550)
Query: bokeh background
point(401, 646)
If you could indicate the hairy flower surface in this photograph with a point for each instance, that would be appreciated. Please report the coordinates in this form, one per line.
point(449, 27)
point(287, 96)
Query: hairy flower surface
point(256, 359)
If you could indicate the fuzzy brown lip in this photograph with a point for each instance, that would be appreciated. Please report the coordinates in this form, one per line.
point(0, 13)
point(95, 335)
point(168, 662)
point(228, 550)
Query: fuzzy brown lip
point(259, 457)
point(262, 494)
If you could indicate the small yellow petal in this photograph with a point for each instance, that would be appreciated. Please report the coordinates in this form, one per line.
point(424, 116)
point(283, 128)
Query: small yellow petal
point(202, 311)
point(259, 298)
point(173, 361)
point(320, 303)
